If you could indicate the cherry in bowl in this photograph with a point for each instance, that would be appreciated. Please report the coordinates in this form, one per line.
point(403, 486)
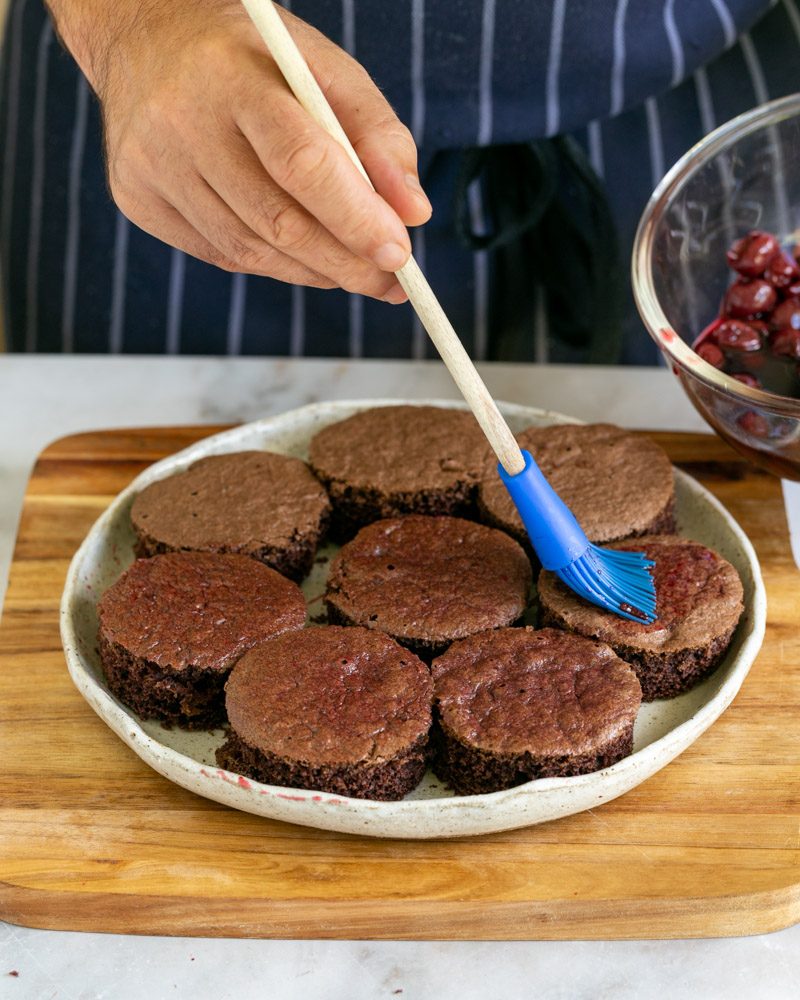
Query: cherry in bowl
point(716, 278)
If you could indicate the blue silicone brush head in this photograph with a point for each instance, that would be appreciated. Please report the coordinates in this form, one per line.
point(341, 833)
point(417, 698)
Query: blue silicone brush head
point(617, 581)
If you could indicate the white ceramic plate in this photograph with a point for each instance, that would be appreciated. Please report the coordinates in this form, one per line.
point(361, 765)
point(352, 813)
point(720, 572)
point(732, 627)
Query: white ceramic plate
point(663, 729)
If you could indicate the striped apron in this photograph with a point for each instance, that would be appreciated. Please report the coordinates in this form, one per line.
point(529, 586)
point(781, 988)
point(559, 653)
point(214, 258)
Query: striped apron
point(633, 82)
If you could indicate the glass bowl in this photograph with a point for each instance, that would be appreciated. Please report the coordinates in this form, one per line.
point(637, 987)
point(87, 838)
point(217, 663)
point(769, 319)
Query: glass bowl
point(743, 176)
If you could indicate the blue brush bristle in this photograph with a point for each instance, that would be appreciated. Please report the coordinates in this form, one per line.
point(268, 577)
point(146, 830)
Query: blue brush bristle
point(617, 581)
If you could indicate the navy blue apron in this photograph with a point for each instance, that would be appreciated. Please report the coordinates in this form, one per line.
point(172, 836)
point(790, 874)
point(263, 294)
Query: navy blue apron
point(542, 129)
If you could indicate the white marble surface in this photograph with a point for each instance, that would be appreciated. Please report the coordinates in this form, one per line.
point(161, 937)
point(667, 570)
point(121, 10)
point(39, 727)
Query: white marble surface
point(42, 398)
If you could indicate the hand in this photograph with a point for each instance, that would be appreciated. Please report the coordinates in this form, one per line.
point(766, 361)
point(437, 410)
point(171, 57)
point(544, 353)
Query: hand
point(208, 149)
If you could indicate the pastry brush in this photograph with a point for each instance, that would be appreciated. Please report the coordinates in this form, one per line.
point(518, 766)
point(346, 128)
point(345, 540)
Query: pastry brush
point(618, 581)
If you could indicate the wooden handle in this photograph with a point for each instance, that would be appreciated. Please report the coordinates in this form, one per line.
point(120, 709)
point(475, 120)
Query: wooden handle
point(308, 92)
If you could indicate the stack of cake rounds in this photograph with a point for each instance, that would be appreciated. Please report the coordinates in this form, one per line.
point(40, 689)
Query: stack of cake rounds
point(426, 581)
point(519, 704)
point(172, 626)
point(341, 710)
point(256, 503)
point(395, 460)
point(208, 626)
point(618, 484)
point(699, 600)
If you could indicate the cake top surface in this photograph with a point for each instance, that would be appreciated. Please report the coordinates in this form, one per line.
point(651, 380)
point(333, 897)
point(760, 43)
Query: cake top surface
point(401, 449)
point(430, 578)
point(330, 695)
point(699, 597)
point(615, 482)
point(198, 608)
point(545, 691)
point(243, 501)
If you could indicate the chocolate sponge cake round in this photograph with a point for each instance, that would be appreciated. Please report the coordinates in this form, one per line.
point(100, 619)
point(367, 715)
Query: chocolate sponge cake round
point(256, 503)
point(426, 581)
point(617, 484)
point(340, 710)
point(699, 600)
point(518, 704)
point(171, 628)
point(393, 460)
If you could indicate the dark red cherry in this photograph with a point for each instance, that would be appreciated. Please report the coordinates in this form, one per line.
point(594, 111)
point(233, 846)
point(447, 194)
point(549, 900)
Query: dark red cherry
point(786, 343)
point(751, 254)
point(749, 299)
point(736, 335)
point(709, 334)
point(712, 354)
point(782, 271)
point(787, 314)
point(753, 423)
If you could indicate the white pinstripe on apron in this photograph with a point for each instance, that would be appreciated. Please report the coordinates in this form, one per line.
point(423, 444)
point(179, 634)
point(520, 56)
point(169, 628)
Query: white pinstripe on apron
point(465, 72)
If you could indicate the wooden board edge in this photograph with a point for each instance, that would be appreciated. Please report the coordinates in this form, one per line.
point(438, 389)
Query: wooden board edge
point(412, 920)
point(65, 442)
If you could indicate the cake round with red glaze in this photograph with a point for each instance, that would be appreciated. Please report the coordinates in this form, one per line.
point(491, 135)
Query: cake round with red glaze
point(256, 503)
point(339, 710)
point(393, 460)
point(518, 704)
point(172, 626)
point(617, 483)
point(426, 581)
point(699, 600)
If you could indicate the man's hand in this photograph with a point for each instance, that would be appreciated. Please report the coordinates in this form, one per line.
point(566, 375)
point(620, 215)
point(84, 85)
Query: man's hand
point(208, 149)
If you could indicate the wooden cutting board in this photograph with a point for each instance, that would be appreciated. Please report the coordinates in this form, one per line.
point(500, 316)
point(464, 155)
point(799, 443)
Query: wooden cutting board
point(92, 839)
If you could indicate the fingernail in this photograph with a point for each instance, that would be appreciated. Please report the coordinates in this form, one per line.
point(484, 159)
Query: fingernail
point(395, 295)
point(390, 257)
point(413, 184)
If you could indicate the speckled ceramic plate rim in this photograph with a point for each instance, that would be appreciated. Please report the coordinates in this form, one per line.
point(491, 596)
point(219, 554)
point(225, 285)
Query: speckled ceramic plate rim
point(534, 802)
